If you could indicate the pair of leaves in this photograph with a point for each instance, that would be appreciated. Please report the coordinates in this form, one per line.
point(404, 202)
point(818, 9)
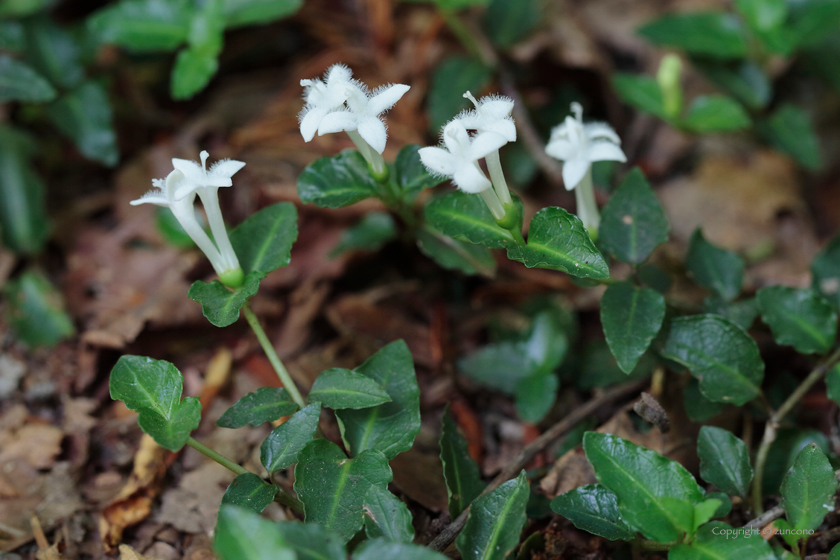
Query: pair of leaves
point(262, 243)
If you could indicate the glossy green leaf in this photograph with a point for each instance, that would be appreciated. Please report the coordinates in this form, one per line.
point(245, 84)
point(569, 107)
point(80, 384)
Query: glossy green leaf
point(454, 74)
point(340, 388)
point(84, 116)
point(35, 310)
point(250, 492)
point(19, 82)
point(266, 404)
point(241, 533)
point(723, 358)
point(631, 318)
point(23, 215)
point(642, 92)
point(387, 517)
point(535, 395)
point(311, 541)
point(221, 305)
point(763, 15)
point(144, 25)
point(53, 53)
point(192, 72)
point(697, 407)
point(742, 313)
point(466, 217)
point(715, 113)
point(808, 489)
point(705, 510)
point(508, 22)
point(285, 442)
point(390, 427)
point(336, 181)
point(801, 318)
point(632, 222)
point(743, 79)
point(724, 461)
point(593, 509)
point(717, 34)
point(248, 12)
point(655, 495)
point(789, 130)
point(495, 522)
point(379, 549)
point(714, 543)
point(263, 242)
point(370, 234)
point(716, 269)
point(783, 452)
point(455, 255)
point(557, 240)
point(825, 269)
point(460, 471)
point(411, 175)
point(333, 488)
point(153, 388)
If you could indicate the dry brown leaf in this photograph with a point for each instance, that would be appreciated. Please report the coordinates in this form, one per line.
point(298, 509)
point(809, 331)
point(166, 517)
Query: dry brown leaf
point(192, 507)
point(128, 553)
point(37, 444)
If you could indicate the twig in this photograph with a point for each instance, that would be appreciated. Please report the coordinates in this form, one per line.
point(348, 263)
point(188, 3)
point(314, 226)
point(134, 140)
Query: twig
point(445, 538)
point(770, 515)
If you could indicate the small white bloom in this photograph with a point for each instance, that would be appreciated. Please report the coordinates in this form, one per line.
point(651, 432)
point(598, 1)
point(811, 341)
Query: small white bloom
point(363, 113)
point(199, 177)
point(323, 97)
point(491, 114)
point(459, 159)
point(578, 145)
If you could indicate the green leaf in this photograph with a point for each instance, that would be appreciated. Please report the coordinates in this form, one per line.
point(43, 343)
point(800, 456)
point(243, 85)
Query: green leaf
point(285, 442)
point(460, 471)
point(266, 404)
point(465, 217)
point(808, 489)
point(742, 313)
point(655, 495)
point(557, 240)
point(370, 234)
point(333, 488)
point(799, 318)
point(763, 15)
point(337, 181)
point(495, 522)
point(207, 28)
point(455, 255)
point(535, 395)
point(825, 269)
point(547, 343)
point(723, 358)
point(19, 82)
point(241, 533)
point(411, 175)
point(249, 12)
point(500, 366)
point(53, 53)
point(153, 388)
point(35, 310)
point(144, 25)
point(697, 407)
point(642, 92)
point(263, 242)
point(813, 21)
point(378, 549)
point(715, 34)
point(724, 461)
point(390, 427)
point(744, 79)
point(715, 113)
point(192, 72)
point(598, 367)
point(783, 452)
point(789, 130)
point(23, 8)
point(723, 509)
point(221, 305)
point(594, 509)
point(340, 388)
point(311, 541)
point(508, 22)
point(456, 74)
point(11, 36)
point(23, 213)
point(84, 116)
point(631, 318)
point(248, 491)
point(835, 553)
point(632, 222)
point(716, 269)
point(714, 543)
point(832, 383)
point(706, 510)
point(387, 517)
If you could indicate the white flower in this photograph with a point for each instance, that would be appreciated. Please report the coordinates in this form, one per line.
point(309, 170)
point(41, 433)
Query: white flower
point(199, 177)
point(491, 114)
point(323, 97)
point(459, 160)
point(578, 145)
point(363, 114)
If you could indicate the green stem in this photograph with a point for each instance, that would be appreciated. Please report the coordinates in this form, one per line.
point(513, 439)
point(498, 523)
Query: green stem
point(278, 366)
point(773, 422)
point(219, 458)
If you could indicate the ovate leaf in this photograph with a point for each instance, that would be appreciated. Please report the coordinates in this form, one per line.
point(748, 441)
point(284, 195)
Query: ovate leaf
point(631, 317)
point(594, 509)
point(241, 533)
point(789, 129)
point(192, 72)
point(799, 318)
point(340, 388)
point(466, 217)
point(387, 517)
point(716, 269)
point(19, 82)
point(263, 242)
point(283, 445)
point(724, 461)
point(535, 395)
point(35, 310)
point(463, 479)
point(808, 489)
point(717, 34)
point(713, 542)
point(250, 492)
point(84, 116)
point(715, 113)
point(266, 404)
point(336, 181)
point(221, 305)
point(642, 92)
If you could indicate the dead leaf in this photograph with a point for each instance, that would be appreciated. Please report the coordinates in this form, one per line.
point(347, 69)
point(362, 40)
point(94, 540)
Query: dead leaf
point(128, 553)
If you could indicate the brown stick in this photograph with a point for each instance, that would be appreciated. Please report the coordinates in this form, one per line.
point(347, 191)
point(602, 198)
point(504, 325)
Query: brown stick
point(445, 538)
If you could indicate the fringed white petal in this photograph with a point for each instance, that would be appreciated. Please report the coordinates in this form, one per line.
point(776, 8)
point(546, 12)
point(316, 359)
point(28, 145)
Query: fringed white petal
point(385, 97)
point(485, 143)
point(574, 170)
point(374, 132)
point(470, 179)
point(226, 167)
point(191, 170)
point(154, 196)
point(505, 127)
point(310, 121)
point(496, 107)
point(336, 122)
point(438, 161)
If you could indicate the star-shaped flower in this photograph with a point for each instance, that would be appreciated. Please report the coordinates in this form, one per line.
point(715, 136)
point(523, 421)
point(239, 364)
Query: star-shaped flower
point(459, 159)
point(578, 145)
point(198, 176)
point(363, 113)
point(491, 114)
point(323, 97)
